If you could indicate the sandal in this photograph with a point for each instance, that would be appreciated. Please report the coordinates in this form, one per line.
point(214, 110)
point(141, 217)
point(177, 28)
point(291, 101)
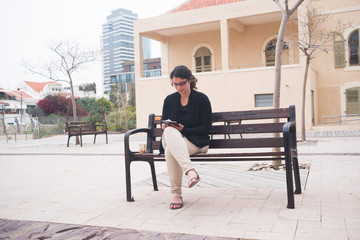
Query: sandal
point(194, 180)
point(174, 206)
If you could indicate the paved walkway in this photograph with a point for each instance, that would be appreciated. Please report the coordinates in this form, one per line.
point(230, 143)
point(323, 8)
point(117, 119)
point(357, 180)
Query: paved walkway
point(49, 190)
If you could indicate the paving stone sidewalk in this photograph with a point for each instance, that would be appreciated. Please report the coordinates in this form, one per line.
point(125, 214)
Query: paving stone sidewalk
point(50, 191)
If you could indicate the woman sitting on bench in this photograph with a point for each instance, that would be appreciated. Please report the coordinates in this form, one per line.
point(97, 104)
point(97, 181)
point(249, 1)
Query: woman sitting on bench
point(187, 133)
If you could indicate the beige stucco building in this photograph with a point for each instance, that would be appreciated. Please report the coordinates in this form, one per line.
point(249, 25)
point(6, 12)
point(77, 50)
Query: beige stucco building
point(229, 46)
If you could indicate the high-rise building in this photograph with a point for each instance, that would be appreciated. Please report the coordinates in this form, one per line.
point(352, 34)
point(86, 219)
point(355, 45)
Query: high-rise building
point(118, 45)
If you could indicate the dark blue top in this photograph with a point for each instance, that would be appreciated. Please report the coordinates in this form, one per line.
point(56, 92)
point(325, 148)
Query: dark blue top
point(195, 116)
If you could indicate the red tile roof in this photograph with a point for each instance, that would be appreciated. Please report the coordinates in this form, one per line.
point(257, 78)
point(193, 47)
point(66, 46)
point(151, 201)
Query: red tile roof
point(21, 94)
point(195, 4)
point(39, 86)
point(17, 94)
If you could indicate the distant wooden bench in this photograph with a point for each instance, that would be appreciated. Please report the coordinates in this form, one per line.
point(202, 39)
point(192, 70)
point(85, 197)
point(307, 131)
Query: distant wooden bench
point(84, 128)
point(232, 130)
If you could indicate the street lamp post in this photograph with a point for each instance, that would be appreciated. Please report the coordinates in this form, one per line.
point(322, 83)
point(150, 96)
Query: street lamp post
point(21, 100)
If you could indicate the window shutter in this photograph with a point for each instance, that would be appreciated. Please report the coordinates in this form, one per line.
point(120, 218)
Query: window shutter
point(352, 101)
point(264, 100)
point(339, 51)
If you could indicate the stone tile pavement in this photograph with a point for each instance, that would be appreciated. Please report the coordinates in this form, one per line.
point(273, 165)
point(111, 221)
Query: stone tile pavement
point(53, 188)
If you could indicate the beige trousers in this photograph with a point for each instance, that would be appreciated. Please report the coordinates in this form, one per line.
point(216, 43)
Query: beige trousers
point(177, 151)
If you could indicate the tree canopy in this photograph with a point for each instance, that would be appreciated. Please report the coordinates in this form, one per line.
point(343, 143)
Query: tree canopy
point(55, 104)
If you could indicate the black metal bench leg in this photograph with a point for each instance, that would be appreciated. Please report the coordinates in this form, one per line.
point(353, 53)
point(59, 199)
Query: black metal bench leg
point(81, 140)
point(129, 198)
point(296, 172)
point(289, 184)
point(94, 138)
point(153, 175)
point(68, 141)
point(106, 138)
point(289, 177)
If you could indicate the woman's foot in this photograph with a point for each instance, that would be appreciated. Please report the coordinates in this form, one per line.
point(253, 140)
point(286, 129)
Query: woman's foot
point(193, 178)
point(176, 203)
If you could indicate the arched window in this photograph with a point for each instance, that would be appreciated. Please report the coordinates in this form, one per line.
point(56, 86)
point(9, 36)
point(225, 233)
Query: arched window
point(353, 100)
point(270, 53)
point(203, 60)
point(339, 51)
point(354, 48)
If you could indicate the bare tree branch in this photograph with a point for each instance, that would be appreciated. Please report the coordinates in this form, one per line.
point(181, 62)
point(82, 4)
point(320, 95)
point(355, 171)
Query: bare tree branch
point(280, 6)
point(316, 39)
point(69, 58)
point(296, 5)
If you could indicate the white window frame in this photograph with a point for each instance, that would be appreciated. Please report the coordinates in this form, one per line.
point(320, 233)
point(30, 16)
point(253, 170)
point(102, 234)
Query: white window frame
point(346, 37)
point(263, 48)
point(212, 56)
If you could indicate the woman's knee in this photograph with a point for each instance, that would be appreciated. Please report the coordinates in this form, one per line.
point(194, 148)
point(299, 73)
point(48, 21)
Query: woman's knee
point(171, 131)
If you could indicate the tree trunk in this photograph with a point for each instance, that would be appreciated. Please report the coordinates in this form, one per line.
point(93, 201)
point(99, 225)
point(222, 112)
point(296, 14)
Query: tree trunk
point(278, 53)
point(73, 101)
point(303, 132)
point(77, 140)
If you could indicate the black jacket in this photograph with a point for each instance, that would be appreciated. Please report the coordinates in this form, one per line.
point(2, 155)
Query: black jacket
point(197, 120)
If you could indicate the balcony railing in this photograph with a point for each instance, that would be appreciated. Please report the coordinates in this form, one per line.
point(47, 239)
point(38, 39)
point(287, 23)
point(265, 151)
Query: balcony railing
point(152, 73)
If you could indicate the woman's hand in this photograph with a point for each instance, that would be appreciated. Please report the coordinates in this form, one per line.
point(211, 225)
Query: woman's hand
point(179, 128)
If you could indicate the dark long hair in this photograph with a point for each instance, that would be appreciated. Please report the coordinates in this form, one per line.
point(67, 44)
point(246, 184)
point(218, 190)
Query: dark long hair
point(183, 72)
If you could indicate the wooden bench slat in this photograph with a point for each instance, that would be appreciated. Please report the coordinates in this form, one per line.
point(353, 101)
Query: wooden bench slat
point(238, 143)
point(247, 143)
point(247, 128)
point(224, 155)
point(237, 129)
point(157, 132)
point(155, 145)
point(250, 115)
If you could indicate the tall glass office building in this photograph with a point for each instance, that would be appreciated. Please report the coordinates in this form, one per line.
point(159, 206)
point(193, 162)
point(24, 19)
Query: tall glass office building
point(118, 45)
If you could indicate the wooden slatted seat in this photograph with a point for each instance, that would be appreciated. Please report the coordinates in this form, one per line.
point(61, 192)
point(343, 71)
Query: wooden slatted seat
point(85, 128)
point(235, 136)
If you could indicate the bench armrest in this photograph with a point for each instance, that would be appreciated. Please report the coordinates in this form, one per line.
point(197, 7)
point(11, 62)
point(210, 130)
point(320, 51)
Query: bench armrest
point(131, 132)
point(289, 135)
point(70, 127)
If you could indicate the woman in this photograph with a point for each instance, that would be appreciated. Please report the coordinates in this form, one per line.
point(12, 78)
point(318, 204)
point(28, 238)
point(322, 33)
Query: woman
point(192, 110)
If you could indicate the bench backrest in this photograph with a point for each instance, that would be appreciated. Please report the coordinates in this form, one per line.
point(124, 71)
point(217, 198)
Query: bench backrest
point(237, 129)
point(85, 126)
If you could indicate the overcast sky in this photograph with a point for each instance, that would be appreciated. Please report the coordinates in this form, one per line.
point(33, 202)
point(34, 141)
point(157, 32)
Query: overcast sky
point(27, 26)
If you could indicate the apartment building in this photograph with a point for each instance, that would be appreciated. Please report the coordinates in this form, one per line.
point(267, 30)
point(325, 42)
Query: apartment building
point(118, 45)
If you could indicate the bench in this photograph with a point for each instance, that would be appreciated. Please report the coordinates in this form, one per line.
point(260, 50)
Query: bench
point(84, 128)
point(238, 134)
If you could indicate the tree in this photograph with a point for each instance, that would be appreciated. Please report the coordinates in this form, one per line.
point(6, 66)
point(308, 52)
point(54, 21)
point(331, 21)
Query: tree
point(132, 98)
point(118, 97)
point(97, 108)
point(313, 40)
point(87, 103)
point(286, 13)
point(55, 104)
point(70, 57)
